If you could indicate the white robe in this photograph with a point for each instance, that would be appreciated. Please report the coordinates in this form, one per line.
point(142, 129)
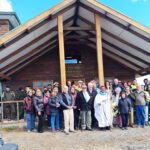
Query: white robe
point(102, 112)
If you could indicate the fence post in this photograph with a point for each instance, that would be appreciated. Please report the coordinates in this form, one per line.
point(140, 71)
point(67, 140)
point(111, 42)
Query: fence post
point(2, 111)
point(17, 111)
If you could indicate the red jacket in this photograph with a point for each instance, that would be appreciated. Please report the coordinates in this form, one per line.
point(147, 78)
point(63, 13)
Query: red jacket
point(28, 105)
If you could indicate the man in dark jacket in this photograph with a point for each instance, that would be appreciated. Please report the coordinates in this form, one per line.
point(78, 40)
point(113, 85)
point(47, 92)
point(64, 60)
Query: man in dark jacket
point(131, 116)
point(92, 92)
point(115, 85)
point(9, 109)
point(145, 84)
point(84, 104)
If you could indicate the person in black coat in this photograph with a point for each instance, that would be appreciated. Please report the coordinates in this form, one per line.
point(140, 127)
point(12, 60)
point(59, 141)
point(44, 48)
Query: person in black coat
point(124, 108)
point(39, 107)
point(85, 104)
point(92, 92)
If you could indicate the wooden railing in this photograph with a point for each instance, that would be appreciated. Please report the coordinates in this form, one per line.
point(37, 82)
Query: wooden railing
point(10, 102)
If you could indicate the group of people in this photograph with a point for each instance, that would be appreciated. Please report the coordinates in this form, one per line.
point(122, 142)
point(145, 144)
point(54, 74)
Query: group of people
point(82, 106)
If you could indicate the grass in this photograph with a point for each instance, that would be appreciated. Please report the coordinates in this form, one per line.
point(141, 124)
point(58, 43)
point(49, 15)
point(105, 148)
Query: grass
point(9, 129)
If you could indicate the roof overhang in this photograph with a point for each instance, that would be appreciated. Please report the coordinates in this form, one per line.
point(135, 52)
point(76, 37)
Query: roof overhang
point(11, 17)
point(124, 39)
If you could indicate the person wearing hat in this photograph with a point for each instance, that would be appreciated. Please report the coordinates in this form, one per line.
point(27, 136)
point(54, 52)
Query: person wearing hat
point(84, 104)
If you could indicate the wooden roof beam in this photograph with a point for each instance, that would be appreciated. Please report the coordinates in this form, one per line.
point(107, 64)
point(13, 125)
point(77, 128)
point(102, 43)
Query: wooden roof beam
point(76, 13)
point(121, 63)
point(125, 66)
point(74, 42)
point(125, 59)
point(32, 42)
point(5, 76)
point(114, 22)
point(79, 36)
point(125, 52)
point(31, 59)
point(28, 54)
point(116, 37)
point(29, 30)
point(121, 50)
point(144, 70)
point(86, 21)
point(134, 64)
point(77, 29)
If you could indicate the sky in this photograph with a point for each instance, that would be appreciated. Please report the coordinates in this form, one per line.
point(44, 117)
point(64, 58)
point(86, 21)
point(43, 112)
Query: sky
point(138, 10)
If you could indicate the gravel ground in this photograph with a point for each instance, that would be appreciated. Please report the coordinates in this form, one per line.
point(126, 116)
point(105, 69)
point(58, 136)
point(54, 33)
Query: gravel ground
point(131, 139)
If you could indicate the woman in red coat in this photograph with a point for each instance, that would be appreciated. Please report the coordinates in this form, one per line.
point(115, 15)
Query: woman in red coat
point(30, 113)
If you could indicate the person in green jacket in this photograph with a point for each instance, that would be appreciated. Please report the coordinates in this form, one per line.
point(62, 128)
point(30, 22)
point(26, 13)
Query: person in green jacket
point(9, 109)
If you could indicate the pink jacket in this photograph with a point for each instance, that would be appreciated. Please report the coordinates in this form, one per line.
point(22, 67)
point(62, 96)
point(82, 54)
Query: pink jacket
point(46, 105)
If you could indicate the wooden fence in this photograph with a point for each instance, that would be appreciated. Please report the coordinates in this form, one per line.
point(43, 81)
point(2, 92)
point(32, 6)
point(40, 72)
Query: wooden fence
point(17, 108)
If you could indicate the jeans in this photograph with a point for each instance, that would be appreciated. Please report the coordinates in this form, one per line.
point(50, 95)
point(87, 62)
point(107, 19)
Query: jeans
point(40, 122)
point(124, 118)
point(53, 118)
point(49, 120)
point(140, 115)
point(30, 121)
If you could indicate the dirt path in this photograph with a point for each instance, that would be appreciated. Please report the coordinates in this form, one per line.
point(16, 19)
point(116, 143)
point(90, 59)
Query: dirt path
point(133, 139)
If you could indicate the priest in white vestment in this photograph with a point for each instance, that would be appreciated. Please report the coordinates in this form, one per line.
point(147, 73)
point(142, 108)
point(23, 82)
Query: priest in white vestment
point(102, 108)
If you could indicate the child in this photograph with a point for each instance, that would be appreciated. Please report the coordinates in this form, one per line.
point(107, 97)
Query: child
point(54, 105)
point(30, 113)
point(124, 108)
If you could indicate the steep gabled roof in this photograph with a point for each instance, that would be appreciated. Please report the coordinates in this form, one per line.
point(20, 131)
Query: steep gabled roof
point(124, 39)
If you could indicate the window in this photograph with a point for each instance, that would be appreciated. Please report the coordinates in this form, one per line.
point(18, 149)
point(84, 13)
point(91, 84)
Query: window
point(41, 84)
point(73, 60)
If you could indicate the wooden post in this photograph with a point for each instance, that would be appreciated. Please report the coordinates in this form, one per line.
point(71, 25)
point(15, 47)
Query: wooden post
point(17, 111)
point(2, 106)
point(99, 49)
point(61, 51)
